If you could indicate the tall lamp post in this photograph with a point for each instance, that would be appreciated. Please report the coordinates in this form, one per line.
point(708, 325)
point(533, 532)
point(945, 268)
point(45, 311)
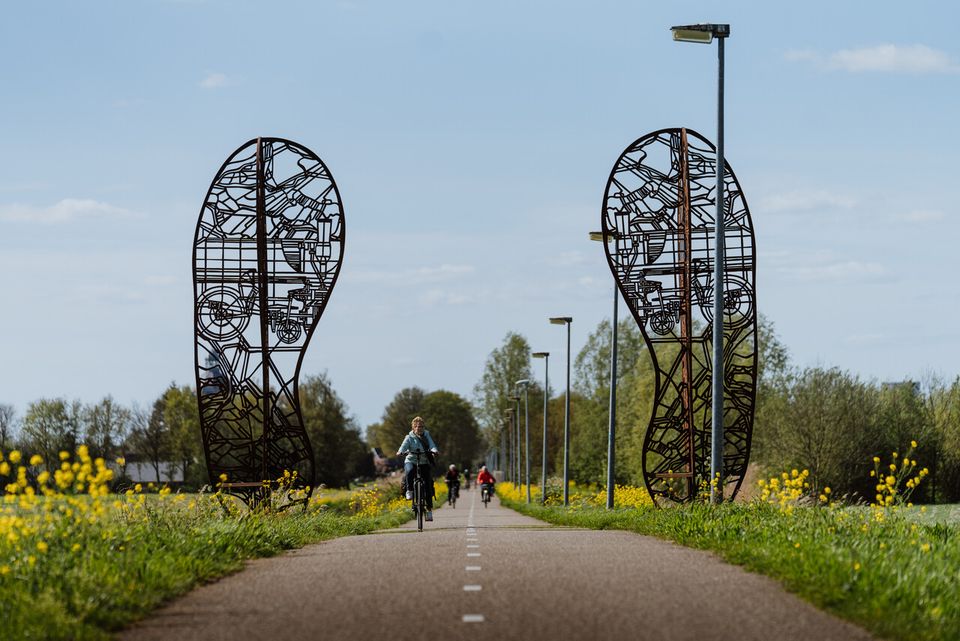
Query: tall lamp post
point(704, 34)
point(546, 393)
point(525, 384)
point(518, 479)
point(508, 437)
point(612, 413)
point(566, 320)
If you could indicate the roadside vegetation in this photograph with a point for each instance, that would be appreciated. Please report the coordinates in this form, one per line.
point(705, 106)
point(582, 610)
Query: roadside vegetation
point(78, 561)
point(889, 567)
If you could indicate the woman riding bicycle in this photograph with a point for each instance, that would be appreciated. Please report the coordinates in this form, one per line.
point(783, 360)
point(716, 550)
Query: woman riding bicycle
point(453, 481)
point(419, 447)
point(485, 480)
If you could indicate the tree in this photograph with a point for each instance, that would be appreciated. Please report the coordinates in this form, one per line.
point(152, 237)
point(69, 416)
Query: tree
point(592, 365)
point(49, 427)
point(339, 452)
point(944, 412)
point(505, 366)
point(449, 418)
point(150, 436)
point(826, 422)
point(8, 417)
point(181, 414)
point(106, 427)
point(395, 422)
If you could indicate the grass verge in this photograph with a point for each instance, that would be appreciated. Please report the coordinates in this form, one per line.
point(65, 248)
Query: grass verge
point(887, 573)
point(79, 572)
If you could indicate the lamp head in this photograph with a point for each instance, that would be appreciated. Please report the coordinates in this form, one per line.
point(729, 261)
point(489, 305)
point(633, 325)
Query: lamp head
point(700, 33)
point(540, 354)
point(603, 236)
point(523, 381)
point(561, 320)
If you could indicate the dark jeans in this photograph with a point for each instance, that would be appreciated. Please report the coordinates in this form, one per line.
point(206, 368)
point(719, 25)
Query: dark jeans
point(409, 473)
point(489, 487)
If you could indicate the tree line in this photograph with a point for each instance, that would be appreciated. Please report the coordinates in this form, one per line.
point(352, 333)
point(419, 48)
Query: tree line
point(165, 437)
point(824, 419)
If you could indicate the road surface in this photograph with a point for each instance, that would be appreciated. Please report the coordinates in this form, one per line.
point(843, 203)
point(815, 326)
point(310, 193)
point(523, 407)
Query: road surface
point(490, 573)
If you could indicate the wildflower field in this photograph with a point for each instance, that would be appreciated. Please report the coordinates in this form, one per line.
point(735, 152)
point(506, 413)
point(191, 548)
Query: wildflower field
point(889, 567)
point(78, 560)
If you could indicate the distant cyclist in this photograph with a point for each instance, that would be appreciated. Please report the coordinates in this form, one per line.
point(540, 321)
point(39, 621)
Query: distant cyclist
point(453, 481)
point(466, 477)
point(421, 452)
point(485, 480)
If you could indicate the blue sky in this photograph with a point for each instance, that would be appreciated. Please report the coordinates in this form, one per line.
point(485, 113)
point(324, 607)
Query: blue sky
point(471, 144)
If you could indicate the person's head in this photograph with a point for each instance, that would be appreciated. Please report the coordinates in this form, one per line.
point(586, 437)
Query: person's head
point(453, 468)
point(483, 468)
point(417, 426)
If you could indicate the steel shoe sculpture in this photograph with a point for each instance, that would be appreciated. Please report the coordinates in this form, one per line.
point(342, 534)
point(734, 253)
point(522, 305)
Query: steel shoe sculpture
point(266, 255)
point(659, 209)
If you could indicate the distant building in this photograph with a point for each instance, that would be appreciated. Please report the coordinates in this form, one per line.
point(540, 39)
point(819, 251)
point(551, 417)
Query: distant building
point(912, 386)
point(142, 472)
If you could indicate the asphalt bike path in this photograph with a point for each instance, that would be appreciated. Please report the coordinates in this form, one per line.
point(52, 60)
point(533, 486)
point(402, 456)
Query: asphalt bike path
point(492, 573)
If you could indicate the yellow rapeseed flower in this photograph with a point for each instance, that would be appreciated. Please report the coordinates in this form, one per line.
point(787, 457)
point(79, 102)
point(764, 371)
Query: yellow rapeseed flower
point(36, 459)
point(856, 567)
point(14, 456)
point(64, 455)
point(913, 443)
point(42, 546)
point(121, 461)
point(4, 468)
point(75, 548)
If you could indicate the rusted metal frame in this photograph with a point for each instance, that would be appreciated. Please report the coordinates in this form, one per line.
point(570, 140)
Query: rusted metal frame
point(264, 307)
point(686, 321)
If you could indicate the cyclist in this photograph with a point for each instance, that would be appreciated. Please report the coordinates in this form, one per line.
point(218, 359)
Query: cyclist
point(485, 479)
point(453, 481)
point(466, 477)
point(421, 452)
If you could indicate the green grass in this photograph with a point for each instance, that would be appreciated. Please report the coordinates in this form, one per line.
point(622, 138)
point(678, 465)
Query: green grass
point(897, 578)
point(126, 566)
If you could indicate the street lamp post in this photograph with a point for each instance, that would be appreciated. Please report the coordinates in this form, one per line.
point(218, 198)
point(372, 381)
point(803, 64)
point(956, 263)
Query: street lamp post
point(525, 383)
point(508, 439)
point(546, 394)
point(704, 34)
point(612, 413)
point(518, 479)
point(566, 320)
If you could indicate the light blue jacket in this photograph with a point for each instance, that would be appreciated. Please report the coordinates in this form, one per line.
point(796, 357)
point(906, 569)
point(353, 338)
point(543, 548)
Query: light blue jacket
point(417, 454)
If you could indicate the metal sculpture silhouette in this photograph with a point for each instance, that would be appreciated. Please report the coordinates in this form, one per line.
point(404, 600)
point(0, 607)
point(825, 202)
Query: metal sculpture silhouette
point(266, 255)
point(659, 209)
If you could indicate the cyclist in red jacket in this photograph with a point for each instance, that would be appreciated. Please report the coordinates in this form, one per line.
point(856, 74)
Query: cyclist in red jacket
point(485, 478)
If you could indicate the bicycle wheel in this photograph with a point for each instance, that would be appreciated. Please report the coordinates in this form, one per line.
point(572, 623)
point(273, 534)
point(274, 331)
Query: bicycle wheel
point(418, 497)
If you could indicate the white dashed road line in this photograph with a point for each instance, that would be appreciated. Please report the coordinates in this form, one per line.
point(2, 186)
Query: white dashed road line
point(473, 618)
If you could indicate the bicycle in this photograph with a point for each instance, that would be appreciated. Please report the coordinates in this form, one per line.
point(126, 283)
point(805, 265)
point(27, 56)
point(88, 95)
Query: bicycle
point(453, 493)
point(419, 497)
point(485, 494)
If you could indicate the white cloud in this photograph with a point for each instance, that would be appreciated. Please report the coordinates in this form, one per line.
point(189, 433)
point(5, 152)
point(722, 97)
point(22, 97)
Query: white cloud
point(893, 58)
point(433, 297)
point(214, 81)
point(68, 209)
point(801, 201)
point(835, 272)
point(885, 58)
point(417, 276)
point(921, 216)
point(157, 280)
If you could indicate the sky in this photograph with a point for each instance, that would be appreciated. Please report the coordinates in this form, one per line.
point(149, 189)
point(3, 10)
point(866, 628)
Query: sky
point(471, 143)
